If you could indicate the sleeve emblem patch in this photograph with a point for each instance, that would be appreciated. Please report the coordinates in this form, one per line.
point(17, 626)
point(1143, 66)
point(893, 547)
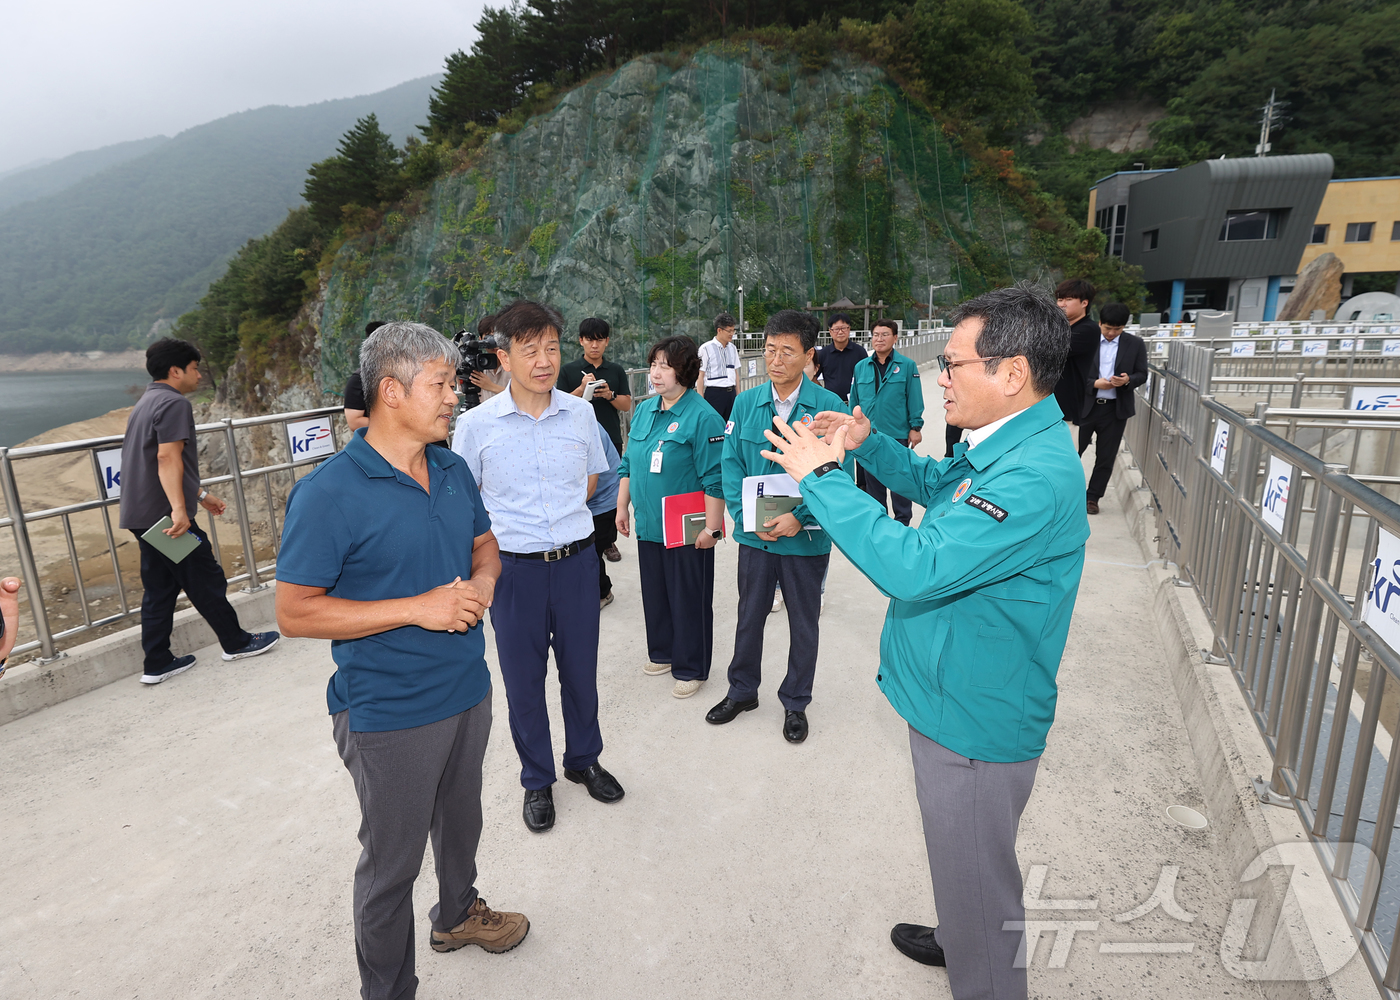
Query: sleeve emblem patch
point(962, 489)
point(986, 507)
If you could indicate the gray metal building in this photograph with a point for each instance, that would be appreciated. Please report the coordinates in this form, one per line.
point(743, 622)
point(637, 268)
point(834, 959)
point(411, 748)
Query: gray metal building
point(1220, 234)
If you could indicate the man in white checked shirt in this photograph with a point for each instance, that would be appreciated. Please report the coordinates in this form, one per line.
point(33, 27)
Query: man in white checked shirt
point(719, 367)
point(536, 454)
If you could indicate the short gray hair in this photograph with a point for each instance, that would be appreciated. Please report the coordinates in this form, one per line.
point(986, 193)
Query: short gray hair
point(399, 350)
point(1020, 320)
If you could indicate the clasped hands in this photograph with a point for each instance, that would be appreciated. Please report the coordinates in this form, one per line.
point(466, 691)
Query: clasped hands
point(455, 606)
point(800, 448)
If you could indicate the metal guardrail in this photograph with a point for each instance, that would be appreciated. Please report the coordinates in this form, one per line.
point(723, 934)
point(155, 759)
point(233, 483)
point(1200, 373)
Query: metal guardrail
point(1268, 536)
point(228, 471)
point(253, 505)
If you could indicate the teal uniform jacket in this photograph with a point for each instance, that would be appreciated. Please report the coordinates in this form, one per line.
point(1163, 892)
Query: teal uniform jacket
point(897, 405)
point(743, 441)
point(691, 438)
point(982, 591)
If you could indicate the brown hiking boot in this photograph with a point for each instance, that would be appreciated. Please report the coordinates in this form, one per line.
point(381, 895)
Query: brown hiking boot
point(495, 932)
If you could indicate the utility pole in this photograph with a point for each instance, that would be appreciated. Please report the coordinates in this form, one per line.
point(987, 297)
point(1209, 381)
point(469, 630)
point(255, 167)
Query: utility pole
point(743, 330)
point(1272, 119)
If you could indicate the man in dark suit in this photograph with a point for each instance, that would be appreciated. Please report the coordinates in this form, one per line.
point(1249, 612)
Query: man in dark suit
point(1118, 366)
point(1073, 296)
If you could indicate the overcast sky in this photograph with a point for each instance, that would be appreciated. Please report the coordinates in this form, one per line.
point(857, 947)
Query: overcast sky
point(85, 74)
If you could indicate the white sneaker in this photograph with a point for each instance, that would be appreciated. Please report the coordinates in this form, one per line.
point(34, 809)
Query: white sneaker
point(684, 689)
point(654, 669)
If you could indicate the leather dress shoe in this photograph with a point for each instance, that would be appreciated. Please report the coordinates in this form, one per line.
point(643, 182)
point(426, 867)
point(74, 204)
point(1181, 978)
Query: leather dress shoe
point(1092, 506)
point(539, 809)
point(728, 710)
point(600, 784)
point(795, 726)
point(917, 942)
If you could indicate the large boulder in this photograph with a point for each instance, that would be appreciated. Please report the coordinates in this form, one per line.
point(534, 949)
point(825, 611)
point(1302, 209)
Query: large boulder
point(1319, 286)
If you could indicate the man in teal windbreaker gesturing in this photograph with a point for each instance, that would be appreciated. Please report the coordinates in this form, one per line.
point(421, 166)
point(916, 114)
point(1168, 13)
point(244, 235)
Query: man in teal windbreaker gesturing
point(981, 597)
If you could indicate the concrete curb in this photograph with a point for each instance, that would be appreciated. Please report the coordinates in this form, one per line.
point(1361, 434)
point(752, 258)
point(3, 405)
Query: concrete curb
point(1230, 752)
point(27, 688)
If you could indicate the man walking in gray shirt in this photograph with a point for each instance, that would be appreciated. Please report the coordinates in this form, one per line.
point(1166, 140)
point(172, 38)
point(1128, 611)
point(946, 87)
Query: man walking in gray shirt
point(160, 473)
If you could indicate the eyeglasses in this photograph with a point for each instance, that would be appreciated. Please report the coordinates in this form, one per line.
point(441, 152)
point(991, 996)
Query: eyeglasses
point(944, 364)
point(770, 353)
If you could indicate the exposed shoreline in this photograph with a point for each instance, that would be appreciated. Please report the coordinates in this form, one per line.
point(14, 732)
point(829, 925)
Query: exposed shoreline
point(76, 361)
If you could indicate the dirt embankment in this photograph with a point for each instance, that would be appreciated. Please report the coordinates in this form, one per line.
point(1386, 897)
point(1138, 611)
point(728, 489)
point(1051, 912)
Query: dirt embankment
point(74, 361)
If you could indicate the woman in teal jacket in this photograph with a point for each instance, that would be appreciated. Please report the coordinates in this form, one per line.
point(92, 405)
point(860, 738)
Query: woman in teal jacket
point(674, 447)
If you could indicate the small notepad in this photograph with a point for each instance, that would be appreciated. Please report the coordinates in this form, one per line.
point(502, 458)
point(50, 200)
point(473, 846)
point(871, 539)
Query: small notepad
point(174, 549)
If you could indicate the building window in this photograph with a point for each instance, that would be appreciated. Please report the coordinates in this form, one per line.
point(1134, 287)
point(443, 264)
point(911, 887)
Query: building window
point(1149, 240)
point(1394, 231)
point(1319, 233)
point(1113, 220)
point(1360, 232)
point(1253, 225)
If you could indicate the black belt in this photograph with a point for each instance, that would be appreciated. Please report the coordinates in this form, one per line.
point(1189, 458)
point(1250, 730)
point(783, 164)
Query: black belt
point(1107, 399)
point(554, 555)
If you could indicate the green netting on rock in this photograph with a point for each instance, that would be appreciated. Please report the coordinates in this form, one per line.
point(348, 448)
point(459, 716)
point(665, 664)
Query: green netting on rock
point(648, 196)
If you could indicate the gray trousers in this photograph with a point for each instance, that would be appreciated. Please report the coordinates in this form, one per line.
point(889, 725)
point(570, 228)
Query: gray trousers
point(801, 576)
point(412, 783)
point(971, 809)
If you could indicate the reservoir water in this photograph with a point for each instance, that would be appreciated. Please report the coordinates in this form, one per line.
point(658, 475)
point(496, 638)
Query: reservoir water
point(34, 402)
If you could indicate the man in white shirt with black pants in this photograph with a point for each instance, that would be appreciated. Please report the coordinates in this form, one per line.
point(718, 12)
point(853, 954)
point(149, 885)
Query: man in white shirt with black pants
point(719, 367)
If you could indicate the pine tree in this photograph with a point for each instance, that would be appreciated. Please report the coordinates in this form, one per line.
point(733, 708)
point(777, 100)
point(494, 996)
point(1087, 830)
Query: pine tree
point(366, 172)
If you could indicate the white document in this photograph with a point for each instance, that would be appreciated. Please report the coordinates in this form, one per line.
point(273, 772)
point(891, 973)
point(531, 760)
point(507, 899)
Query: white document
point(589, 388)
point(777, 485)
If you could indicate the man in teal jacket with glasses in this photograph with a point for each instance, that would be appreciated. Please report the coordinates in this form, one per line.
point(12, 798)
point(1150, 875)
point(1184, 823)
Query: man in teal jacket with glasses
point(790, 549)
point(981, 597)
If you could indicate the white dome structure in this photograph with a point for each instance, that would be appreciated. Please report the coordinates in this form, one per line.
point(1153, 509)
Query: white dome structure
point(1369, 307)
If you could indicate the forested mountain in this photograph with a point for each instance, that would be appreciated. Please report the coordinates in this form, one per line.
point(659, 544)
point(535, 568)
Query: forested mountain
point(1211, 65)
point(98, 263)
point(56, 175)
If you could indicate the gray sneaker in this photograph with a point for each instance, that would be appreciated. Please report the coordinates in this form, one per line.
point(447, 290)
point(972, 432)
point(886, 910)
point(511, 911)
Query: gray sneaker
point(260, 643)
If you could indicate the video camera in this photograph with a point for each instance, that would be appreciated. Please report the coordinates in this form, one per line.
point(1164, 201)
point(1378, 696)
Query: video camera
point(478, 355)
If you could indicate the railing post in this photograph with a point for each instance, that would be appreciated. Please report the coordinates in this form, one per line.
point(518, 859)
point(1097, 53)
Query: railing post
point(37, 611)
point(1303, 653)
point(244, 526)
point(1295, 401)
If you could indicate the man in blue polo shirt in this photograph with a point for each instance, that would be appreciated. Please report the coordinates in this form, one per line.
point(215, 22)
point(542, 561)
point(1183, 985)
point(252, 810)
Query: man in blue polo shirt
point(387, 551)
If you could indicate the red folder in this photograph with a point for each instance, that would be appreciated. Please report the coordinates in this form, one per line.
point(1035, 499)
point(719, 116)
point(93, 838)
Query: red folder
point(673, 512)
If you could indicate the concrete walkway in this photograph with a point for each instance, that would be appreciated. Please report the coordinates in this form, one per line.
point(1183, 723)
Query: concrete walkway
point(197, 839)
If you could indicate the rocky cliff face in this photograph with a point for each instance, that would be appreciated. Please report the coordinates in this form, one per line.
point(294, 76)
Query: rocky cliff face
point(647, 196)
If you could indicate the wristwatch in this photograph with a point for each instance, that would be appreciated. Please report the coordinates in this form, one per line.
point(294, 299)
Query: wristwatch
point(202, 495)
point(822, 470)
point(716, 533)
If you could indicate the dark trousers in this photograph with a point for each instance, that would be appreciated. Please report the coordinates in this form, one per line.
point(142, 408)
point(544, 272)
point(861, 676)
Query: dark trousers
point(604, 535)
point(202, 579)
point(801, 576)
point(1103, 423)
point(952, 437)
point(412, 783)
point(903, 506)
point(971, 811)
point(678, 596)
point(541, 606)
point(722, 399)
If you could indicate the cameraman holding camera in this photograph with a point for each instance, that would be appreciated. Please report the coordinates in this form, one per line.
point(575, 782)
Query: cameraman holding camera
point(491, 380)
